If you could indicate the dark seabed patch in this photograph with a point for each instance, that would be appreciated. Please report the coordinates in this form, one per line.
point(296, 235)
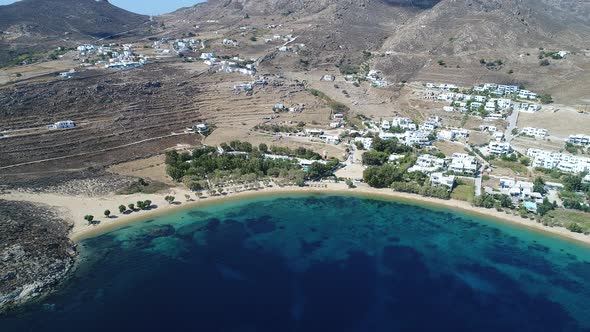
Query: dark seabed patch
point(319, 263)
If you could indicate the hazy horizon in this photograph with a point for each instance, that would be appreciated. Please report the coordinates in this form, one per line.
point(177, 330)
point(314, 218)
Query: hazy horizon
point(147, 7)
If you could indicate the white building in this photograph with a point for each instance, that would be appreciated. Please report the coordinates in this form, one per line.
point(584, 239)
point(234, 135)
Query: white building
point(526, 94)
point(243, 87)
point(440, 179)
point(201, 127)
point(330, 139)
point(412, 138)
point(403, 123)
point(68, 124)
point(580, 140)
point(506, 183)
point(505, 103)
point(230, 42)
point(561, 161)
point(460, 132)
point(427, 163)
point(367, 142)
point(490, 106)
point(528, 108)
point(499, 148)
point(498, 136)
point(480, 99)
point(463, 163)
point(314, 132)
point(206, 56)
point(506, 89)
point(535, 132)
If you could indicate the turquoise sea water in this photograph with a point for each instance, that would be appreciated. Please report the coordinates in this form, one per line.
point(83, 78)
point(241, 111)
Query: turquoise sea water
point(319, 263)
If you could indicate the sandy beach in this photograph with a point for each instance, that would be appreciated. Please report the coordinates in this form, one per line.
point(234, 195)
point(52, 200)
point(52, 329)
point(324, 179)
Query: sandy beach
point(74, 208)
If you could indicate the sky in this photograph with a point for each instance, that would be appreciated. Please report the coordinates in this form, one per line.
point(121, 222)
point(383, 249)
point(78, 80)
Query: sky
point(147, 7)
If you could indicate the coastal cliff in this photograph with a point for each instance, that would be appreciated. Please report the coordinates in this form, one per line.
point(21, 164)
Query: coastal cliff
point(35, 251)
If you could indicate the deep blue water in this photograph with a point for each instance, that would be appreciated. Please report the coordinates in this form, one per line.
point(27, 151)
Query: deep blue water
point(319, 263)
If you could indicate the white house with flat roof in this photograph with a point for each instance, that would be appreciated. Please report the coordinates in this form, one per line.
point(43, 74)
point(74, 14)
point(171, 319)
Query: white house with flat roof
point(580, 140)
point(463, 163)
point(403, 123)
point(526, 94)
point(561, 161)
point(427, 163)
point(528, 107)
point(499, 148)
point(535, 132)
point(68, 124)
point(440, 179)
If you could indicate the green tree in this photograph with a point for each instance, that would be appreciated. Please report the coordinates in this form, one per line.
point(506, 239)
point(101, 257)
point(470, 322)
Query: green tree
point(374, 158)
point(122, 208)
point(263, 148)
point(349, 183)
point(175, 172)
point(131, 206)
point(89, 218)
point(572, 183)
point(107, 213)
point(574, 227)
point(318, 171)
point(546, 99)
point(539, 185)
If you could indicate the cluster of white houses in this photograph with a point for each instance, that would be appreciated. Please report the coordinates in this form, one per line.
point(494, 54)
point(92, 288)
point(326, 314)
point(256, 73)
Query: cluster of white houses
point(492, 98)
point(411, 134)
point(438, 168)
point(177, 46)
point(561, 161)
point(119, 57)
point(234, 65)
point(521, 191)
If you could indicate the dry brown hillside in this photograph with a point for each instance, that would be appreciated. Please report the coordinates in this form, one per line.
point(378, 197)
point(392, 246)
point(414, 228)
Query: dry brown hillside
point(426, 40)
point(36, 25)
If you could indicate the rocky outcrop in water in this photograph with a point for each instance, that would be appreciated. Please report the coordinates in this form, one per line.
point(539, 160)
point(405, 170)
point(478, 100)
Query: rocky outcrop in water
point(35, 251)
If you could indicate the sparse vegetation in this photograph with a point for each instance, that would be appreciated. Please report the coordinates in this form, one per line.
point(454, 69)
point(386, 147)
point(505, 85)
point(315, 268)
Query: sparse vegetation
point(334, 105)
point(463, 191)
point(144, 187)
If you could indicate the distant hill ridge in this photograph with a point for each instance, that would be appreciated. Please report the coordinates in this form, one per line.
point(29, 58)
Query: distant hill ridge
point(29, 25)
point(96, 18)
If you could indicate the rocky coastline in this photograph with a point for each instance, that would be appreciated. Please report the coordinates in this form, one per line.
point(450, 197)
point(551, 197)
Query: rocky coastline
point(35, 251)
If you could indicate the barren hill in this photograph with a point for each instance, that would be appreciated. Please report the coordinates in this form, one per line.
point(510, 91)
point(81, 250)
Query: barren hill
point(37, 24)
point(408, 39)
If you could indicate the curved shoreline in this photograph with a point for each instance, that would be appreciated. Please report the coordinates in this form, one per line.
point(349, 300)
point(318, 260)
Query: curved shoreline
point(77, 207)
